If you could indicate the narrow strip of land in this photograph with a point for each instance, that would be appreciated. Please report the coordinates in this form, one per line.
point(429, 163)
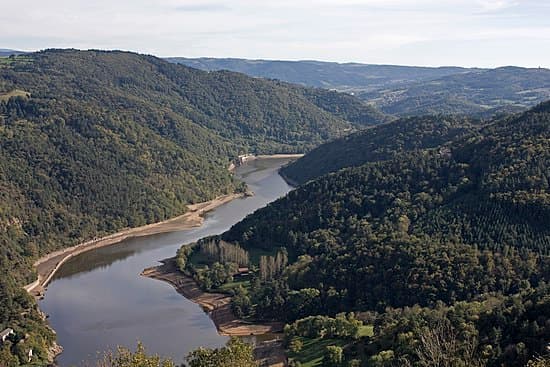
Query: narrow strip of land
point(279, 156)
point(217, 305)
point(48, 265)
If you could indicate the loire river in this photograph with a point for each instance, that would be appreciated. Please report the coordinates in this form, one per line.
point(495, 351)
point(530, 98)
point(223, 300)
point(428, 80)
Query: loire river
point(98, 300)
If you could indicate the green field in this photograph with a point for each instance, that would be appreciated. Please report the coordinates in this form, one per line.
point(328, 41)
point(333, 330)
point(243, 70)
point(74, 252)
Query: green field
point(227, 287)
point(311, 354)
point(9, 61)
point(366, 330)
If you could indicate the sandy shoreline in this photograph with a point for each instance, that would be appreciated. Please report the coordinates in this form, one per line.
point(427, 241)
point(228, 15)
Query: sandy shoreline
point(49, 264)
point(217, 305)
point(278, 156)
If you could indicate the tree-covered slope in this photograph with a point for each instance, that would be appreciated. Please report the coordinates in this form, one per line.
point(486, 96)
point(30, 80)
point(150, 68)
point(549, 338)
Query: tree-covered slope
point(379, 143)
point(448, 230)
point(498, 175)
point(346, 106)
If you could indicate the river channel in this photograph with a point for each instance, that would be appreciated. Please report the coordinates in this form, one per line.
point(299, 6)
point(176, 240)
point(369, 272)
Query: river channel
point(98, 301)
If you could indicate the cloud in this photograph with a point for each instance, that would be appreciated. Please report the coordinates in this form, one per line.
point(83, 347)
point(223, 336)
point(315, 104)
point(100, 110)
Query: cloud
point(494, 5)
point(201, 7)
point(382, 31)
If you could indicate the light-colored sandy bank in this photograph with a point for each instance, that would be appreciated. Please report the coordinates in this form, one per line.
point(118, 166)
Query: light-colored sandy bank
point(217, 305)
point(48, 265)
point(270, 353)
point(279, 156)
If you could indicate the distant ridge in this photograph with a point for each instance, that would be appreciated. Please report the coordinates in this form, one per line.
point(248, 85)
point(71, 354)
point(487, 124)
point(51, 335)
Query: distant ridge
point(8, 52)
point(405, 90)
point(341, 76)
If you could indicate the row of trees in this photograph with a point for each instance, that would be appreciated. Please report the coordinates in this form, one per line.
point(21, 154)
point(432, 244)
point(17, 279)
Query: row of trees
point(182, 257)
point(341, 326)
point(217, 250)
point(235, 353)
point(273, 266)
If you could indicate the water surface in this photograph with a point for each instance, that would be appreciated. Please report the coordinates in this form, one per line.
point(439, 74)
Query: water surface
point(98, 300)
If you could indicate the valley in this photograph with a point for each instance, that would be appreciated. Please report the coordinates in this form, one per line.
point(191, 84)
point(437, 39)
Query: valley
point(418, 211)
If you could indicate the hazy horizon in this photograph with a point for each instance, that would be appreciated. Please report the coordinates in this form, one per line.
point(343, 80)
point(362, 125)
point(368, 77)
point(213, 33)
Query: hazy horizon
point(467, 33)
point(281, 60)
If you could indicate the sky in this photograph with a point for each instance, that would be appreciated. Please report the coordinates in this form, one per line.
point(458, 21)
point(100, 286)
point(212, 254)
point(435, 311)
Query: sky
point(483, 33)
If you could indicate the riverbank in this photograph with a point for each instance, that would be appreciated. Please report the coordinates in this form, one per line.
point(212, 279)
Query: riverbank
point(48, 265)
point(217, 305)
point(288, 180)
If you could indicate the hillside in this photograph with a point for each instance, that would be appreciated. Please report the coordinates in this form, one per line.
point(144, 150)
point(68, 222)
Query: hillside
point(263, 115)
point(453, 238)
point(92, 142)
point(406, 90)
point(346, 107)
point(330, 75)
point(481, 93)
point(379, 143)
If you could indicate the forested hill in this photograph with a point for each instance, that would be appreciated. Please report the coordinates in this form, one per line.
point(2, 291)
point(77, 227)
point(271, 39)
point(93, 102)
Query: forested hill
point(346, 106)
point(92, 142)
point(264, 115)
point(461, 232)
point(379, 143)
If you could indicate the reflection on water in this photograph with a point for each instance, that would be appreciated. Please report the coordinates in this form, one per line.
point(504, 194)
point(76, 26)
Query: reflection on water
point(98, 300)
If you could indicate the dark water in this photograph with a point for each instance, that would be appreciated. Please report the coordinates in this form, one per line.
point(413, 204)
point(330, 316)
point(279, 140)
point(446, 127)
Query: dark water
point(98, 300)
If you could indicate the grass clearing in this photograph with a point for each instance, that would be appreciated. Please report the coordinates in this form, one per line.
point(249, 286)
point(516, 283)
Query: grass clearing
point(312, 352)
point(366, 330)
point(241, 281)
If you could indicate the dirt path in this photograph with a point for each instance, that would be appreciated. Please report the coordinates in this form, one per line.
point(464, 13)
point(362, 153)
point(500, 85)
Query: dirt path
point(48, 265)
point(217, 305)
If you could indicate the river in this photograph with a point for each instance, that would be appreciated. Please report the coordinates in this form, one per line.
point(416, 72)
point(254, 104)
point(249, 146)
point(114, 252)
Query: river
point(98, 301)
